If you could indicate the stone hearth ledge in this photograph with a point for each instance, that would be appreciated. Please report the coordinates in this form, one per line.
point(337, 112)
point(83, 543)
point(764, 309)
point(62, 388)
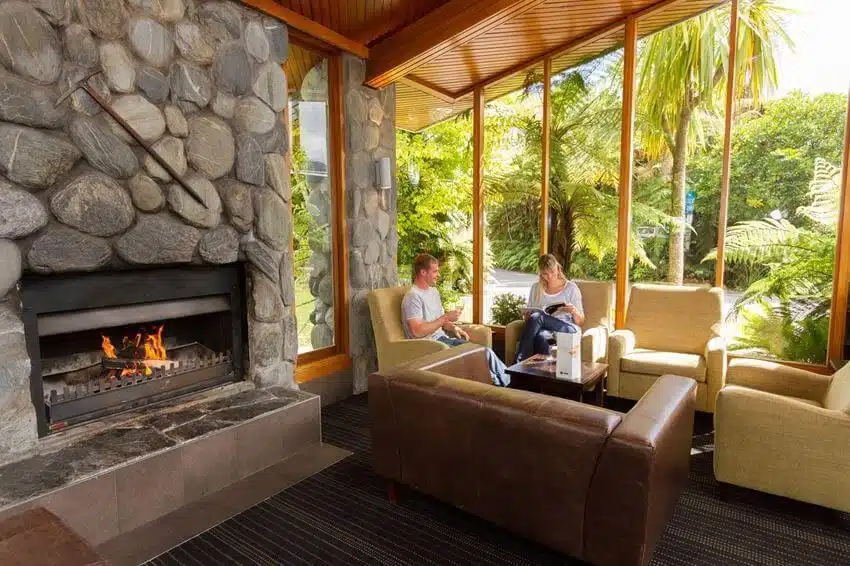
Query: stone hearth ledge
point(158, 429)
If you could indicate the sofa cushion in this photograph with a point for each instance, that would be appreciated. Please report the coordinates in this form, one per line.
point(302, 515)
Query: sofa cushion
point(652, 362)
point(679, 319)
point(838, 395)
point(598, 300)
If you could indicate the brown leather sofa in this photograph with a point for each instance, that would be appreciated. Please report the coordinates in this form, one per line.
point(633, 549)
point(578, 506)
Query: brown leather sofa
point(592, 483)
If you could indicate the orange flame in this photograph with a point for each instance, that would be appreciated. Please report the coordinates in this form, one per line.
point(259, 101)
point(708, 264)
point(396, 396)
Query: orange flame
point(154, 348)
point(151, 344)
point(108, 348)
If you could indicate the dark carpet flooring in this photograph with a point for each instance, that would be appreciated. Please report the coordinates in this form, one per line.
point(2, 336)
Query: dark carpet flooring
point(342, 516)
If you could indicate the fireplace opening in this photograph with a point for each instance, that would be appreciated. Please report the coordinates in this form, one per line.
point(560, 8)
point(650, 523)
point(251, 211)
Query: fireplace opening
point(98, 354)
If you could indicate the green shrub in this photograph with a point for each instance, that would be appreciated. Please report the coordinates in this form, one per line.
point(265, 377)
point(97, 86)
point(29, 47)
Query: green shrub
point(507, 308)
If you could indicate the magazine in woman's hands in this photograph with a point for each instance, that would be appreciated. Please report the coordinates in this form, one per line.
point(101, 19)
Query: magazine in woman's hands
point(549, 309)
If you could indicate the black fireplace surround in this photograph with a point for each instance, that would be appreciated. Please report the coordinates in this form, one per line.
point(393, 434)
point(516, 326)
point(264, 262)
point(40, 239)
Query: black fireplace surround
point(201, 311)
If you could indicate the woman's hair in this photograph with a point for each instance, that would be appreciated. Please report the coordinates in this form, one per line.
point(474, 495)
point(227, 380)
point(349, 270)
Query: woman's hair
point(547, 262)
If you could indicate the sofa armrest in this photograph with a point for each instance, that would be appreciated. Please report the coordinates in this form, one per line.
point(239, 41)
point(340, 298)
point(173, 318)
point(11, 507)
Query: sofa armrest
point(594, 344)
point(513, 332)
point(780, 379)
point(467, 361)
point(402, 351)
point(620, 343)
point(479, 333)
point(782, 445)
point(640, 475)
point(715, 368)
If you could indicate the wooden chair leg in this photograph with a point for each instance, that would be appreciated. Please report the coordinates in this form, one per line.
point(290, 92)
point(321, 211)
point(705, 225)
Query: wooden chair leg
point(392, 491)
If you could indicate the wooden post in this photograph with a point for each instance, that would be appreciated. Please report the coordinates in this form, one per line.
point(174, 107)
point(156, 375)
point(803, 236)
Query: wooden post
point(338, 209)
point(720, 265)
point(478, 205)
point(841, 274)
point(547, 126)
point(626, 158)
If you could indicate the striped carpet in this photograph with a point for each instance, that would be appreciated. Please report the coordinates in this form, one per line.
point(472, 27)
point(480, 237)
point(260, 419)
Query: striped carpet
point(341, 516)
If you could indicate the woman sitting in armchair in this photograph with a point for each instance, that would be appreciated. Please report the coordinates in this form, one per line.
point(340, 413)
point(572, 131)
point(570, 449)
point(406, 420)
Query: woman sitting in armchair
point(554, 305)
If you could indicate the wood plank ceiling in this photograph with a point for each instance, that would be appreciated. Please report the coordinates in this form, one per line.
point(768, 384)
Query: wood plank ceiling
point(502, 57)
point(365, 21)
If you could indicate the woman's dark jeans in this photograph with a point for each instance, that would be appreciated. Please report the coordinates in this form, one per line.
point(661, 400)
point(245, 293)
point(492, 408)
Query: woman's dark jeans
point(539, 329)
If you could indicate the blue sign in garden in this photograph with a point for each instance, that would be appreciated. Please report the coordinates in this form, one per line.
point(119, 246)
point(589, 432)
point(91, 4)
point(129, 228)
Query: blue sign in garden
point(690, 199)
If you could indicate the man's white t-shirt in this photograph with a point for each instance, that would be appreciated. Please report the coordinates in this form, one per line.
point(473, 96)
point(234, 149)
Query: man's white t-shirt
point(424, 304)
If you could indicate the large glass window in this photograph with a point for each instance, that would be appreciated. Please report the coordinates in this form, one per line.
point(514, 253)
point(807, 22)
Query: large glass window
point(435, 205)
point(681, 90)
point(307, 77)
point(584, 167)
point(785, 179)
point(512, 166)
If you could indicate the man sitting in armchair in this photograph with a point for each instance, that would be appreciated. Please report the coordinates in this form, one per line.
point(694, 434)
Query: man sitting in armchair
point(423, 315)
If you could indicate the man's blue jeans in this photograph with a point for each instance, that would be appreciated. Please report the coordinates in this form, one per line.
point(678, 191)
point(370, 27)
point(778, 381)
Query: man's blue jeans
point(497, 368)
point(537, 333)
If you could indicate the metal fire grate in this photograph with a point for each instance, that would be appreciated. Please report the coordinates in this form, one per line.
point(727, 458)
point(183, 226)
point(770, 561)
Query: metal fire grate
point(107, 395)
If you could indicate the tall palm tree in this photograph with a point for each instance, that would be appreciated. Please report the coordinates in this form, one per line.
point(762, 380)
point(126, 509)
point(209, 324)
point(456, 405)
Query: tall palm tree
point(682, 75)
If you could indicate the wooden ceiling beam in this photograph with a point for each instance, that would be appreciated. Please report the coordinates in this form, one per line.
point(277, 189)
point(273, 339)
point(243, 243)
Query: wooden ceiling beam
point(309, 27)
point(446, 28)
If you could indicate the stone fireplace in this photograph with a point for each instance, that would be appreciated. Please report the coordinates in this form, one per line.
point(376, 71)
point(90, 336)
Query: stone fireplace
point(98, 241)
point(105, 343)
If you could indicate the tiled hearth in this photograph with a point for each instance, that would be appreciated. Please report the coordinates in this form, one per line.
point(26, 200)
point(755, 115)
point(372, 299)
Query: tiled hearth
point(145, 465)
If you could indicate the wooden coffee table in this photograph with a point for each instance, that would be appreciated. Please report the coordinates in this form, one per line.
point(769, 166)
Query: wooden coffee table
point(537, 373)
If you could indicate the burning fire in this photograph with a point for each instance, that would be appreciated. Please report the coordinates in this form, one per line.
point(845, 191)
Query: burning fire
point(137, 351)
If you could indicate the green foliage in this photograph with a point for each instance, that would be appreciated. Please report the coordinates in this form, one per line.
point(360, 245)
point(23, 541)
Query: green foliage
point(583, 173)
point(682, 71)
point(435, 201)
point(302, 221)
point(773, 154)
point(507, 307)
point(774, 333)
point(512, 230)
point(794, 295)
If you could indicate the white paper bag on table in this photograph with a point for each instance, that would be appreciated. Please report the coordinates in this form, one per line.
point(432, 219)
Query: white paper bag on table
point(567, 365)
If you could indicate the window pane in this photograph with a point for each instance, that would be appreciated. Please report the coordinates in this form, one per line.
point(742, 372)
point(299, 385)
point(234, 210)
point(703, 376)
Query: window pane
point(435, 205)
point(512, 166)
point(584, 166)
point(307, 76)
point(785, 182)
point(678, 135)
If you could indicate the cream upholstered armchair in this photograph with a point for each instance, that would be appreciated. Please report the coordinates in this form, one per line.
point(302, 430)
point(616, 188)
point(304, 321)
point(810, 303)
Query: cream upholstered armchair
point(393, 347)
point(785, 431)
point(675, 330)
point(597, 297)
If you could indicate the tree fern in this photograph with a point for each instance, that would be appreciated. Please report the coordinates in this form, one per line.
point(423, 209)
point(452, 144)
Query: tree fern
point(786, 312)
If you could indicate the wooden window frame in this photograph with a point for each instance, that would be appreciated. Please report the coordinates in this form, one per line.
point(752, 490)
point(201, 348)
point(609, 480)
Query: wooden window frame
point(334, 358)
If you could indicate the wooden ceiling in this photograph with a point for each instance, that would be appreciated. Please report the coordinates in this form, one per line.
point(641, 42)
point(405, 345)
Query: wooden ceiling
point(438, 51)
point(298, 64)
point(365, 21)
